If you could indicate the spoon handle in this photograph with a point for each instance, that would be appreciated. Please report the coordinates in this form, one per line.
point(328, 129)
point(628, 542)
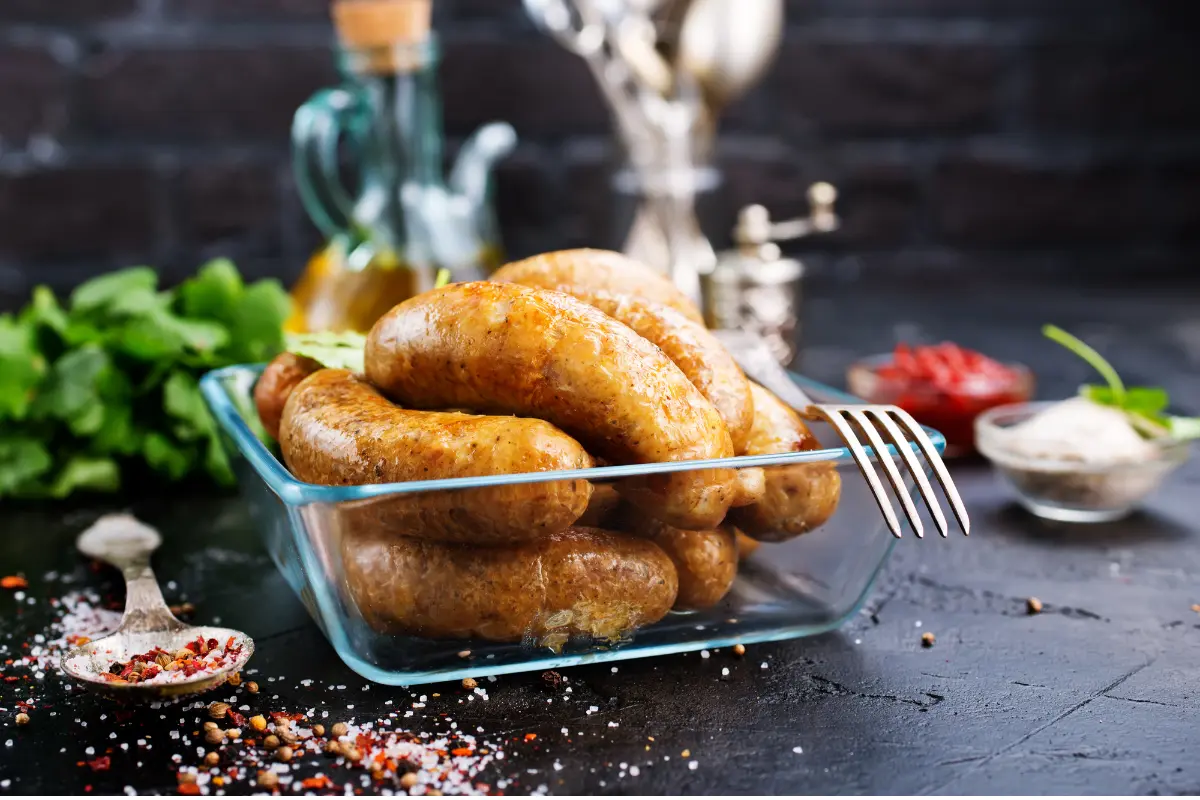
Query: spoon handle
point(145, 608)
point(127, 544)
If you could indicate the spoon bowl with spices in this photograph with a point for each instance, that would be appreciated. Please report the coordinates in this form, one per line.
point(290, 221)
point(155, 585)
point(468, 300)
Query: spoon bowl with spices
point(152, 655)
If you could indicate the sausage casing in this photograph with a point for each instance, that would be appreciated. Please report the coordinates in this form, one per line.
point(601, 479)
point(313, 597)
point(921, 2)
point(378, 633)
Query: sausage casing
point(581, 582)
point(511, 349)
point(598, 270)
point(271, 390)
point(339, 430)
point(797, 497)
point(701, 357)
point(705, 561)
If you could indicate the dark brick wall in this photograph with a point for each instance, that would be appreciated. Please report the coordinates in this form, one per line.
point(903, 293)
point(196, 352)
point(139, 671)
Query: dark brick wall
point(1032, 137)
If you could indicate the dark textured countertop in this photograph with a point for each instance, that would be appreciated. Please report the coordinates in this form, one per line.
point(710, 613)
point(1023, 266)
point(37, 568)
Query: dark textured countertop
point(1100, 693)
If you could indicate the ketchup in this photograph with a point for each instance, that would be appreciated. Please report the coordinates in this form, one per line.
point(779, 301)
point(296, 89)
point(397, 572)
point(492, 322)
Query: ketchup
point(945, 387)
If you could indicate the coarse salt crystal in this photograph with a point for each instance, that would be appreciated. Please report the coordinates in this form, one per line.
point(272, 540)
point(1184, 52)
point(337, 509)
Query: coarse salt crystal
point(693, 765)
point(797, 749)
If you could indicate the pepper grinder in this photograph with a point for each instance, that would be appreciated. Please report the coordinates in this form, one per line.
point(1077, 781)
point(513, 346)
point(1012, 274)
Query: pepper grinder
point(753, 287)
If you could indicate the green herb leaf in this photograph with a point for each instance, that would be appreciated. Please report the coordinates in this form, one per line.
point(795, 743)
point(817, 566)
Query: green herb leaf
point(443, 278)
point(86, 472)
point(23, 459)
point(108, 290)
point(333, 350)
point(1089, 355)
point(167, 456)
point(21, 368)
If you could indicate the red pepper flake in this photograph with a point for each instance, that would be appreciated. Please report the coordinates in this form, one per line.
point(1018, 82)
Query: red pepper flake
point(237, 718)
point(13, 582)
point(318, 782)
point(100, 764)
point(11, 679)
point(189, 788)
point(529, 737)
point(461, 751)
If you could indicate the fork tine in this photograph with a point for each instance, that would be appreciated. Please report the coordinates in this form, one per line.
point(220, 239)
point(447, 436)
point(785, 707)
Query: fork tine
point(864, 465)
point(939, 467)
point(889, 467)
point(918, 472)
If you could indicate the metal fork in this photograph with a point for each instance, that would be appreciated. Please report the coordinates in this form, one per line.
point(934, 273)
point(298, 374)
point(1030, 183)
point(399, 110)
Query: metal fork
point(754, 356)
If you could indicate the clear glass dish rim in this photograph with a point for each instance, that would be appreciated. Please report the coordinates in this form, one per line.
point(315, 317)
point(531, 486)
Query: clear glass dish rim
point(296, 492)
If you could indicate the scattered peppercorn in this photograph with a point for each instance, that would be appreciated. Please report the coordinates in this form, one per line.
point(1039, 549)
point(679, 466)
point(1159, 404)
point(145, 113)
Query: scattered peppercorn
point(1033, 605)
point(186, 777)
point(333, 748)
point(1196, 607)
point(218, 710)
point(686, 753)
point(353, 754)
point(251, 687)
point(22, 718)
point(271, 742)
point(267, 779)
point(340, 729)
point(927, 639)
point(212, 758)
point(739, 649)
point(433, 792)
point(208, 726)
point(408, 780)
point(464, 653)
point(318, 730)
point(233, 733)
point(214, 736)
point(258, 722)
point(470, 683)
point(284, 753)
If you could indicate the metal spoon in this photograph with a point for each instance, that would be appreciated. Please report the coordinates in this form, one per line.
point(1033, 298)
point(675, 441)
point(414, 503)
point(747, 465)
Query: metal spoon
point(127, 544)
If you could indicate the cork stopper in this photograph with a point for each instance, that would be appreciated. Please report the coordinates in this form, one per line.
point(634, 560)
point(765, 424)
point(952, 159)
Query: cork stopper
point(387, 33)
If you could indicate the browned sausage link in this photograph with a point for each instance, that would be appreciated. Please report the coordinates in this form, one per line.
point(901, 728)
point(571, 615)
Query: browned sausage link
point(605, 501)
point(699, 354)
point(338, 430)
point(598, 270)
point(582, 582)
point(799, 497)
point(276, 383)
point(746, 545)
point(706, 561)
point(504, 348)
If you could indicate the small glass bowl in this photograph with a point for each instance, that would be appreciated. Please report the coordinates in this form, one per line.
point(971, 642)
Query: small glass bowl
point(951, 413)
point(1071, 491)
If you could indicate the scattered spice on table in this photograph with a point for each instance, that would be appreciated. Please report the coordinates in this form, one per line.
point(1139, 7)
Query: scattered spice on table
point(13, 582)
point(198, 657)
point(927, 639)
point(1033, 605)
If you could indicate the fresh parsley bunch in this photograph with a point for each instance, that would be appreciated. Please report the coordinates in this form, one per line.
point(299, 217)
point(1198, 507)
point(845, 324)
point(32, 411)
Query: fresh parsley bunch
point(1145, 406)
point(107, 385)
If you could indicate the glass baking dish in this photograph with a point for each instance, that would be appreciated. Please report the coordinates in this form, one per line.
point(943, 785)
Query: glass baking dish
point(801, 587)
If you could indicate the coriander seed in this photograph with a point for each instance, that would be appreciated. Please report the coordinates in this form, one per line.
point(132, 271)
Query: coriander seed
point(271, 742)
point(186, 777)
point(1033, 605)
point(214, 736)
point(22, 718)
point(284, 753)
point(208, 726)
point(318, 730)
point(218, 710)
point(408, 780)
point(251, 687)
point(340, 729)
point(212, 758)
point(233, 733)
point(739, 649)
point(267, 779)
point(927, 639)
point(470, 683)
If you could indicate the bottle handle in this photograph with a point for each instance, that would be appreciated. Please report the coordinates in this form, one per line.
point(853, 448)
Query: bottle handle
point(316, 129)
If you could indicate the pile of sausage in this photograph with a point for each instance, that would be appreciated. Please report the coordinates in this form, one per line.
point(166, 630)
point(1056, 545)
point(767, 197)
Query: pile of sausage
point(563, 361)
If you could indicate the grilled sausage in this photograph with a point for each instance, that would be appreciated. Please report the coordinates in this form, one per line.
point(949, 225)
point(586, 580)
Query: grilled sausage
point(705, 561)
point(276, 383)
point(798, 497)
point(338, 430)
point(582, 582)
point(701, 357)
point(598, 270)
point(510, 349)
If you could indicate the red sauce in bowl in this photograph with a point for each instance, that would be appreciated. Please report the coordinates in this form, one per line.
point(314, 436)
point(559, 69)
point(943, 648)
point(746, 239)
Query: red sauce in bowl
point(943, 386)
